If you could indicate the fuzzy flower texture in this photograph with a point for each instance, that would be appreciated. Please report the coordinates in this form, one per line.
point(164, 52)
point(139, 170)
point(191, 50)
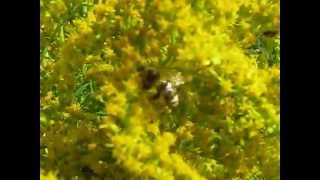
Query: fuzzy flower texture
point(160, 89)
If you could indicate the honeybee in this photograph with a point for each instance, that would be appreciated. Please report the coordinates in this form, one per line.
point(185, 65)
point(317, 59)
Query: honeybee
point(149, 76)
point(165, 88)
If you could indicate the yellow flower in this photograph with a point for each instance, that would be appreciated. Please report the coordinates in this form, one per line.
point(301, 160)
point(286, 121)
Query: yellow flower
point(49, 176)
point(109, 89)
point(257, 88)
point(109, 125)
point(144, 151)
point(133, 165)
point(119, 140)
point(57, 7)
point(168, 138)
point(116, 106)
point(83, 27)
point(226, 86)
point(153, 128)
point(163, 143)
point(115, 110)
point(163, 23)
point(275, 72)
point(249, 40)
point(191, 36)
point(132, 84)
point(100, 69)
point(227, 6)
point(103, 10)
point(253, 133)
point(149, 170)
point(91, 17)
point(185, 19)
point(186, 130)
point(183, 169)
point(109, 52)
point(74, 108)
point(164, 5)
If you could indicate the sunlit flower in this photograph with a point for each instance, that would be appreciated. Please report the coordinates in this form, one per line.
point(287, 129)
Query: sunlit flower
point(227, 123)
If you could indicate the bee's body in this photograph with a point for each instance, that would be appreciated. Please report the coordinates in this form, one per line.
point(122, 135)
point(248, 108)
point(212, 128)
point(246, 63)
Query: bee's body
point(169, 92)
point(166, 88)
point(149, 77)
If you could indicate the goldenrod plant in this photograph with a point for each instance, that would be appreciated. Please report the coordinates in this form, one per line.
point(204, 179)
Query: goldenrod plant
point(160, 89)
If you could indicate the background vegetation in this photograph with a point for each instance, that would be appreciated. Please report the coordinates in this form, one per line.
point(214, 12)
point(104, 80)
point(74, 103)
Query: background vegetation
point(98, 123)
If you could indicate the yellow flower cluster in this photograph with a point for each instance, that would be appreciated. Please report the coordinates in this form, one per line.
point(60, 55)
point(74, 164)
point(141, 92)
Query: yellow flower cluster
point(49, 176)
point(106, 126)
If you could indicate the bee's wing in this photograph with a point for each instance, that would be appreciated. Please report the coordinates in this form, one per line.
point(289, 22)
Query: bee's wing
point(177, 80)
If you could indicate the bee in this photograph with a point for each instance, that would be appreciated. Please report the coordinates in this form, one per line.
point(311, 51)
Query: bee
point(165, 88)
point(149, 76)
point(169, 92)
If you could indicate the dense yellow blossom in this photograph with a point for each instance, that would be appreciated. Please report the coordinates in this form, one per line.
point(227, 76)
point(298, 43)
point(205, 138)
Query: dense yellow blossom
point(49, 176)
point(97, 120)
